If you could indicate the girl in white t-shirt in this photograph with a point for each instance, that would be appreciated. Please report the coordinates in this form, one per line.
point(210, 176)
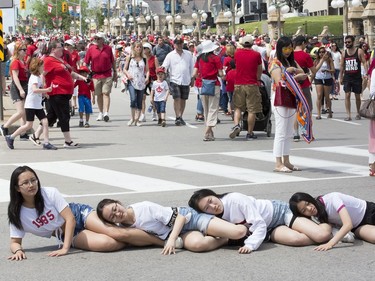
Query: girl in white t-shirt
point(344, 211)
point(33, 107)
point(43, 211)
point(199, 232)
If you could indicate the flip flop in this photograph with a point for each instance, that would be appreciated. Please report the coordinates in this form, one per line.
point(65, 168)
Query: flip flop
point(296, 169)
point(348, 119)
point(283, 170)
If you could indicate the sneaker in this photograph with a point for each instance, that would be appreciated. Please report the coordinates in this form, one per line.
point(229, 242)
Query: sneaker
point(81, 124)
point(296, 138)
point(183, 123)
point(71, 145)
point(138, 124)
point(4, 131)
point(251, 136)
point(142, 118)
point(24, 137)
point(100, 117)
point(35, 140)
point(348, 238)
point(179, 244)
point(235, 131)
point(87, 125)
point(9, 141)
point(106, 118)
point(159, 122)
point(131, 122)
point(163, 123)
point(178, 121)
point(324, 111)
point(49, 146)
point(154, 117)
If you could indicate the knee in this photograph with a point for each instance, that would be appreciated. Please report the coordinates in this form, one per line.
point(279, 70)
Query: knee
point(240, 232)
point(322, 236)
point(196, 245)
point(110, 245)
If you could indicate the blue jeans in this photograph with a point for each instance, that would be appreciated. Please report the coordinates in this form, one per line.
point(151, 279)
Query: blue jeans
point(136, 97)
point(160, 106)
point(199, 101)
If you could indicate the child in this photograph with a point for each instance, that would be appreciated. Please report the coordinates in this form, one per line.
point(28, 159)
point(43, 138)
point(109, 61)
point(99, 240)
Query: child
point(230, 76)
point(33, 107)
point(85, 91)
point(159, 95)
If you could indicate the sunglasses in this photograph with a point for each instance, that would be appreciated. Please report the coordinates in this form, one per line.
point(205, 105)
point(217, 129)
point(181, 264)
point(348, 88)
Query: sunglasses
point(286, 49)
point(137, 63)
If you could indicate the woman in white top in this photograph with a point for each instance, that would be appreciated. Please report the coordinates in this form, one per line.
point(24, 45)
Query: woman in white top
point(336, 57)
point(137, 74)
point(347, 212)
point(323, 80)
point(263, 217)
point(43, 211)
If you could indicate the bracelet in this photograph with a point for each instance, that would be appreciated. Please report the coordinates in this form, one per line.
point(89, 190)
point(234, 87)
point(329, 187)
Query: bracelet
point(19, 249)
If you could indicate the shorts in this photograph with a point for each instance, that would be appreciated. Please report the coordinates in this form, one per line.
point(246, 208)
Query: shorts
point(179, 91)
point(354, 86)
point(15, 93)
point(282, 215)
point(32, 112)
point(84, 104)
point(369, 217)
point(80, 213)
point(325, 82)
point(194, 220)
point(160, 106)
point(103, 85)
point(247, 98)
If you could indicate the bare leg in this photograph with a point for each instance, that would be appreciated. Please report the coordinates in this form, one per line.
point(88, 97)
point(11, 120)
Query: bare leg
point(358, 102)
point(45, 130)
point(195, 241)
point(222, 228)
point(20, 113)
point(366, 232)
point(347, 105)
point(92, 241)
point(319, 233)
point(250, 122)
point(106, 102)
point(132, 236)
point(182, 106)
point(177, 109)
point(287, 236)
point(99, 99)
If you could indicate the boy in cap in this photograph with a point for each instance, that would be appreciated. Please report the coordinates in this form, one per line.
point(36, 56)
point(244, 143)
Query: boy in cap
point(85, 91)
point(159, 95)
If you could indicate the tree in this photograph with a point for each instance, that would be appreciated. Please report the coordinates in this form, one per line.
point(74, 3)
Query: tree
point(295, 4)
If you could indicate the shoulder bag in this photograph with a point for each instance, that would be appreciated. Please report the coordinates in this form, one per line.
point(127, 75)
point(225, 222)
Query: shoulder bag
point(284, 97)
point(367, 109)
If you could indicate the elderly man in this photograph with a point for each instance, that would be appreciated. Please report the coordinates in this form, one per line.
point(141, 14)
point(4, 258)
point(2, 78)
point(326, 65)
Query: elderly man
point(100, 57)
point(246, 88)
point(179, 64)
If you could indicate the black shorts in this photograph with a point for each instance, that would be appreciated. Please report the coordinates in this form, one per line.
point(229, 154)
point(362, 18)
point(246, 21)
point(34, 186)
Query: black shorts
point(324, 82)
point(179, 91)
point(354, 86)
point(369, 217)
point(31, 113)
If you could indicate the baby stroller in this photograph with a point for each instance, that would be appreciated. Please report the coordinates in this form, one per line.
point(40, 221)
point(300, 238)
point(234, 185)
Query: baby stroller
point(263, 120)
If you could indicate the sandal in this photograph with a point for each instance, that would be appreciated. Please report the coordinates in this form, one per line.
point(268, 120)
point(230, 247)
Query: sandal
point(283, 169)
point(318, 118)
point(358, 117)
point(348, 119)
point(35, 140)
point(71, 145)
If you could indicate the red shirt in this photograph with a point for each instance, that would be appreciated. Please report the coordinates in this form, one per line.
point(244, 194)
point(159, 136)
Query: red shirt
point(247, 62)
point(21, 67)
point(84, 89)
point(58, 74)
point(152, 68)
point(305, 61)
point(231, 75)
point(226, 63)
point(101, 61)
point(209, 69)
point(75, 59)
point(30, 49)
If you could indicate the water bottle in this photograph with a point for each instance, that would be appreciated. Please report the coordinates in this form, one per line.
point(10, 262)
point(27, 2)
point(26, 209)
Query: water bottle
point(149, 108)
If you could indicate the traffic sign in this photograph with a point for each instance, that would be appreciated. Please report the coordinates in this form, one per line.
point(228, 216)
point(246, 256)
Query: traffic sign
point(1, 37)
point(6, 4)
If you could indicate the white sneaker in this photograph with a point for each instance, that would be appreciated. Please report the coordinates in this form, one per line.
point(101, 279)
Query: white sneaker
point(154, 117)
point(348, 238)
point(131, 121)
point(100, 117)
point(142, 118)
point(179, 244)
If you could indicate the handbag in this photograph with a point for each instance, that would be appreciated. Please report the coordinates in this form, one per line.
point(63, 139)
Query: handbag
point(284, 97)
point(208, 87)
point(367, 109)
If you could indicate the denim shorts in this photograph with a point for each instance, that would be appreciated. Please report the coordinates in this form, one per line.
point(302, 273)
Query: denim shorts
point(84, 104)
point(194, 220)
point(282, 215)
point(160, 106)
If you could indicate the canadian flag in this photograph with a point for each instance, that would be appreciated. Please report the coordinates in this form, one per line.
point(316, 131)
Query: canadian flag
point(78, 9)
point(50, 8)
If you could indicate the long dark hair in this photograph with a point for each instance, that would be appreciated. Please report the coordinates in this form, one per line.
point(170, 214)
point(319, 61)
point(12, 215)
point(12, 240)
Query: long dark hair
point(200, 194)
point(100, 207)
point(281, 43)
point(205, 56)
point(301, 196)
point(16, 198)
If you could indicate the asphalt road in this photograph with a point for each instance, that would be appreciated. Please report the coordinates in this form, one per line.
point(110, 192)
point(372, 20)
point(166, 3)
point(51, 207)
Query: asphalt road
point(165, 165)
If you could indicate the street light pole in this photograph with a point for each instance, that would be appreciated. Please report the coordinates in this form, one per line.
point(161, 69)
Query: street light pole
point(173, 10)
point(344, 4)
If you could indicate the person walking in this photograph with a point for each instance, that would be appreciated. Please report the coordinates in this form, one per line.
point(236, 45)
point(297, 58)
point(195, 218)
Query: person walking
point(102, 62)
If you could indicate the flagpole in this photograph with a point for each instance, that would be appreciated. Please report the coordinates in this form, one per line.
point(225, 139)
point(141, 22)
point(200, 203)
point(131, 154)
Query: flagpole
point(80, 17)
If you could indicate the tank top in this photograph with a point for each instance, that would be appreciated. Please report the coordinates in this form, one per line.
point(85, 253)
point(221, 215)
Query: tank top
point(352, 66)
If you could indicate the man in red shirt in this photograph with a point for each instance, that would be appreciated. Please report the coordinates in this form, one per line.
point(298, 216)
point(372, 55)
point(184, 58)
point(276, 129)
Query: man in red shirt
point(100, 57)
point(305, 61)
point(31, 48)
point(246, 88)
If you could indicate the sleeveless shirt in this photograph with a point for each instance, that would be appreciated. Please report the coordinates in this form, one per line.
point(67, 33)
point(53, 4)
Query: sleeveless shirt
point(352, 66)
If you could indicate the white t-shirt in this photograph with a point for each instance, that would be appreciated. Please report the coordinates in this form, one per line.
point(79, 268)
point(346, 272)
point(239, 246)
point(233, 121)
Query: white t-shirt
point(239, 208)
point(48, 222)
point(335, 201)
point(152, 218)
point(161, 89)
point(34, 100)
point(336, 56)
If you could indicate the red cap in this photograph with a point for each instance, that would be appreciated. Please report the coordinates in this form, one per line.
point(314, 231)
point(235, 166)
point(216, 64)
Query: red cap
point(160, 69)
point(84, 68)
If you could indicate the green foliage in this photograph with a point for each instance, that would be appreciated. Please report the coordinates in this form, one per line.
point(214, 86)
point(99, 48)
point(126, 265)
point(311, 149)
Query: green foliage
point(314, 25)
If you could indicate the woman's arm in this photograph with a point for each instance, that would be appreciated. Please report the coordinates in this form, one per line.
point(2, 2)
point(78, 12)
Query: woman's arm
point(169, 247)
point(147, 72)
point(16, 249)
point(70, 224)
point(126, 68)
point(347, 226)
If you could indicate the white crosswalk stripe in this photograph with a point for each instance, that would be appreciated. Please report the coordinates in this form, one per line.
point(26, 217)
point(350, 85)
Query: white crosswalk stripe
point(130, 181)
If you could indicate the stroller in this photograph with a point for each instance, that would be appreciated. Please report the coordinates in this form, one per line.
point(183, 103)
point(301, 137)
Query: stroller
point(263, 119)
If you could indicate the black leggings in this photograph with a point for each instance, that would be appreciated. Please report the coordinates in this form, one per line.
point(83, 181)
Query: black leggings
point(59, 109)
